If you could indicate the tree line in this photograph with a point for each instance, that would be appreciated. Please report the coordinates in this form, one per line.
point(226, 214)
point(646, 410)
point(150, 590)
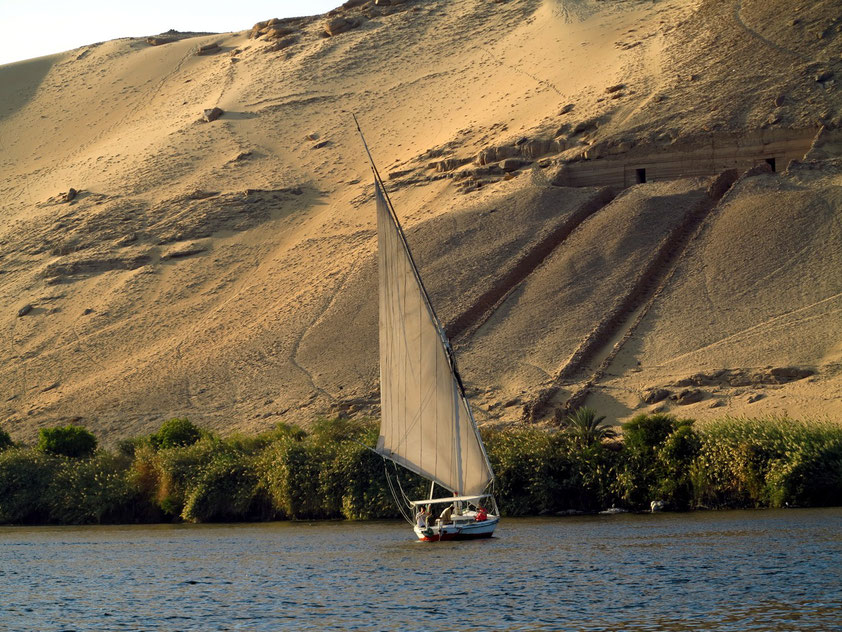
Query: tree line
point(185, 473)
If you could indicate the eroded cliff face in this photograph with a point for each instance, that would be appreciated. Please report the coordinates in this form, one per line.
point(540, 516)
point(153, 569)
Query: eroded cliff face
point(225, 269)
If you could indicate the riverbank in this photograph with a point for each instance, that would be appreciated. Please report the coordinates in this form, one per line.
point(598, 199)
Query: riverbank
point(184, 473)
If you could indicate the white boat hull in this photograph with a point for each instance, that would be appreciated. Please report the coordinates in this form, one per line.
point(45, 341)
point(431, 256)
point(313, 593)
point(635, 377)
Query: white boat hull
point(460, 530)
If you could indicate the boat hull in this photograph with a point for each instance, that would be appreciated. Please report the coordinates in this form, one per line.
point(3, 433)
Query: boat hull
point(458, 531)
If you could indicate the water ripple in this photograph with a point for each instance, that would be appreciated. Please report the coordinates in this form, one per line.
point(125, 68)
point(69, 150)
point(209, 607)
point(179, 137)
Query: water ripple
point(734, 571)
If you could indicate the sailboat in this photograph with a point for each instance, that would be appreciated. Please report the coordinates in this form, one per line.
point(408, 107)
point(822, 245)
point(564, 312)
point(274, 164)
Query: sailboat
point(426, 423)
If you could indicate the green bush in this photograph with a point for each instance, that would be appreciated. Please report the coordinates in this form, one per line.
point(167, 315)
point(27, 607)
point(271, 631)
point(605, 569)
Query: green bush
point(71, 441)
point(768, 462)
point(170, 473)
point(176, 432)
point(352, 478)
point(556, 482)
point(657, 455)
point(283, 431)
point(127, 447)
point(5, 440)
point(676, 456)
point(290, 470)
point(812, 476)
point(226, 488)
point(93, 491)
point(600, 469)
point(329, 473)
point(647, 432)
point(539, 471)
point(37, 488)
point(329, 432)
point(356, 484)
point(25, 476)
point(514, 456)
point(187, 474)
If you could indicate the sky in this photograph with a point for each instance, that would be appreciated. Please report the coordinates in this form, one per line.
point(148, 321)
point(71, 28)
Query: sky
point(33, 28)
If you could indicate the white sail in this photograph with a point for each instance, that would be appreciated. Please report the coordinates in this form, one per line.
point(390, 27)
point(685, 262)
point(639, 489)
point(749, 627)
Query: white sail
point(426, 423)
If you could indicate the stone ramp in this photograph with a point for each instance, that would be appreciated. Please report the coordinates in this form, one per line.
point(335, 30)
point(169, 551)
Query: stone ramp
point(595, 353)
point(468, 321)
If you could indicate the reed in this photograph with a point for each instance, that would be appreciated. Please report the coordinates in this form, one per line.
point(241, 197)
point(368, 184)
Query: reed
point(42, 488)
point(773, 461)
point(546, 471)
point(329, 473)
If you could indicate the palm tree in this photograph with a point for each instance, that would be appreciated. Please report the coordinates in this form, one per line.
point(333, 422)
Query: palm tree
point(587, 428)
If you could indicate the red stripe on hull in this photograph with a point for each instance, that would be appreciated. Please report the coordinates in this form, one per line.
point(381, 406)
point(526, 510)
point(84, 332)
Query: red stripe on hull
point(456, 536)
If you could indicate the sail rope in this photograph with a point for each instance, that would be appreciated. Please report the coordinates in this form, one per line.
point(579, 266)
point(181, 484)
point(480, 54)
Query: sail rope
point(402, 503)
point(400, 487)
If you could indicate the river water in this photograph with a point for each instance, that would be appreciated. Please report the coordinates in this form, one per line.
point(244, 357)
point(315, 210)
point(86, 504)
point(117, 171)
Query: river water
point(740, 570)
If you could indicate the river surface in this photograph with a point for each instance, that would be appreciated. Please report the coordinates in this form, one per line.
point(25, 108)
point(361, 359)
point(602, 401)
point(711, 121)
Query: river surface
point(740, 570)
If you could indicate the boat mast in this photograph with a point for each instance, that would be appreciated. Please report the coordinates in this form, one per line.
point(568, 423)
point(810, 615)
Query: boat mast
point(428, 304)
point(459, 482)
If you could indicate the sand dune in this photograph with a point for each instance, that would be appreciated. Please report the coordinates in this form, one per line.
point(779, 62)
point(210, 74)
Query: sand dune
point(224, 270)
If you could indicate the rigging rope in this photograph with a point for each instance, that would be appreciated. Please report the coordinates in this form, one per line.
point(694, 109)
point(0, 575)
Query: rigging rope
point(401, 507)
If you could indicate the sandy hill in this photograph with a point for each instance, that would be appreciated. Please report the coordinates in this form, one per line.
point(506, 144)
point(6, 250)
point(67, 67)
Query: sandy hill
point(599, 194)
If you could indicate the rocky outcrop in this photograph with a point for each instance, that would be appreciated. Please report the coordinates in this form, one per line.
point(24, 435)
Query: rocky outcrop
point(94, 263)
point(526, 149)
point(173, 35)
point(210, 115)
point(186, 218)
point(511, 164)
point(689, 396)
point(96, 229)
point(747, 377)
point(278, 31)
point(449, 164)
point(588, 125)
point(209, 49)
point(534, 148)
point(281, 44)
point(187, 250)
point(335, 26)
point(494, 154)
point(655, 395)
point(826, 144)
point(159, 41)
point(199, 194)
point(275, 28)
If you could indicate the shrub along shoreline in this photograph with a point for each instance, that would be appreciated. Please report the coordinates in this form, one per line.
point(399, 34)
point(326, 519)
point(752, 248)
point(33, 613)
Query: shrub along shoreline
point(184, 473)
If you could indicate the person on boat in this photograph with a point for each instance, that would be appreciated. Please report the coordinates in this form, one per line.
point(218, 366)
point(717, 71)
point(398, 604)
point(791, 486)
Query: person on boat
point(482, 514)
point(445, 517)
point(422, 518)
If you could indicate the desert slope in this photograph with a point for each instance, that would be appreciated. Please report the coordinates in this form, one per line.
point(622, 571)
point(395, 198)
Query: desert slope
point(224, 270)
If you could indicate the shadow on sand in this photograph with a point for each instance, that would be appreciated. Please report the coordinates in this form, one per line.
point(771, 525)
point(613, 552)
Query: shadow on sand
point(20, 81)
